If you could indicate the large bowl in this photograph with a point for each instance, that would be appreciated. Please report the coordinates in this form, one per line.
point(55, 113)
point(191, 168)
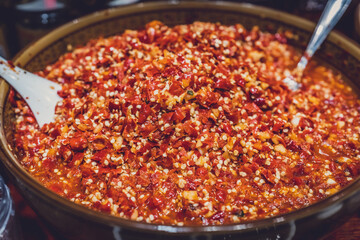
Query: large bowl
point(77, 222)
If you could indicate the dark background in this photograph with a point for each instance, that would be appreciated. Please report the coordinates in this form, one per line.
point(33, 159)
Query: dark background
point(20, 24)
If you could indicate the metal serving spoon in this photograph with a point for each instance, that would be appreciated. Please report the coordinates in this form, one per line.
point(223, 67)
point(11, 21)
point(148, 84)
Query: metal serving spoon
point(333, 11)
point(39, 93)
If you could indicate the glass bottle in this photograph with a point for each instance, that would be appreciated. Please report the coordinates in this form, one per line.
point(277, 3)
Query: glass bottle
point(35, 18)
point(9, 227)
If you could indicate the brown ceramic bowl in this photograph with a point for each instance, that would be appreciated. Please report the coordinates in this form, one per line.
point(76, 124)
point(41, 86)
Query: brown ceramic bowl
point(77, 222)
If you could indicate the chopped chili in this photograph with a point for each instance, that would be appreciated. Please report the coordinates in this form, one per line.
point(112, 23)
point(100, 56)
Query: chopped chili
point(192, 125)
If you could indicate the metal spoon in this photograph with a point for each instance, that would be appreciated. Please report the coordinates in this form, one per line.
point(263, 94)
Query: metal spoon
point(333, 11)
point(39, 93)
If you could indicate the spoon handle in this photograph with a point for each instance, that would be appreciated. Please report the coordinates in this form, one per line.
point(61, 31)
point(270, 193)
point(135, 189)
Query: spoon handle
point(39, 93)
point(18, 77)
point(333, 11)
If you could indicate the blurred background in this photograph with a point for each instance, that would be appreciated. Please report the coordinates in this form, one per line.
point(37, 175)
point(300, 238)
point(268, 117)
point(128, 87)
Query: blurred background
point(23, 21)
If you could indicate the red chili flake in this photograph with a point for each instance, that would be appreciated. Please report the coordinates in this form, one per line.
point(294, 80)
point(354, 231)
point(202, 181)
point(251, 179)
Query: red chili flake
point(78, 143)
point(192, 125)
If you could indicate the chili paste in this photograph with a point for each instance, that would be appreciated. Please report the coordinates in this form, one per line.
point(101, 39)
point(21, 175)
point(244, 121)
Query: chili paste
point(192, 125)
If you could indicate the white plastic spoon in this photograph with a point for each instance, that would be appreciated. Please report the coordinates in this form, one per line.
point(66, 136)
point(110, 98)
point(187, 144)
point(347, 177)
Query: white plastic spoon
point(39, 93)
point(333, 11)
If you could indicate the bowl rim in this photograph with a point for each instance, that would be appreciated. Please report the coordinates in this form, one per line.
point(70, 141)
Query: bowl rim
point(23, 57)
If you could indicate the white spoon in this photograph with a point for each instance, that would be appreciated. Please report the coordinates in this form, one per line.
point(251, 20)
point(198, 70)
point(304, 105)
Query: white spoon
point(333, 11)
point(39, 93)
